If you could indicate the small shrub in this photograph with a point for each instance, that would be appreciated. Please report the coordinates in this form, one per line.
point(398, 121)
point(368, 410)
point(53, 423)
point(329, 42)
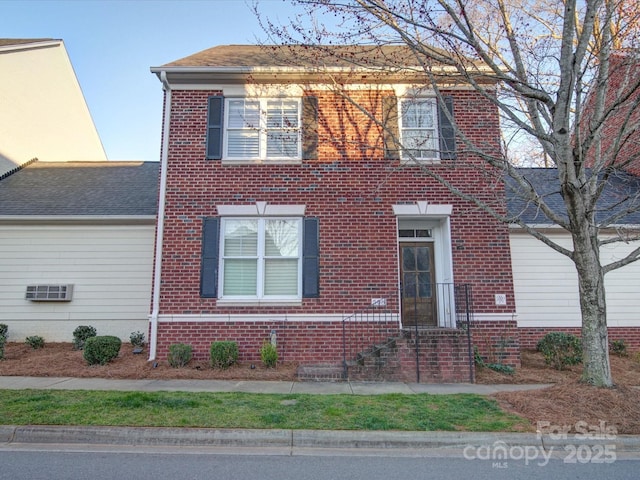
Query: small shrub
point(560, 349)
point(180, 355)
point(101, 349)
point(223, 354)
point(269, 354)
point(35, 342)
point(477, 358)
point(499, 367)
point(618, 347)
point(137, 339)
point(3, 338)
point(81, 335)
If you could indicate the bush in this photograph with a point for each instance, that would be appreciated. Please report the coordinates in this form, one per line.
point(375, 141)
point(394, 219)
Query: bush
point(81, 335)
point(560, 349)
point(618, 347)
point(101, 349)
point(137, 339)
point(269, 354)
point(35, 342)
point(223, 354)
point(179, 355)
point(3, 338)
point(501, 368)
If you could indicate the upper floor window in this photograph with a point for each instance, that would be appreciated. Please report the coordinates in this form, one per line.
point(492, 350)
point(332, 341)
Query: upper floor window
point(262, 129)
point(419, 128)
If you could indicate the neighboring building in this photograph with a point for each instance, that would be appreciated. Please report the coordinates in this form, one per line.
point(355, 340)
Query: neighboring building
point(43, 113)
point(546, 282)
point(288, 215)
point(76, 248)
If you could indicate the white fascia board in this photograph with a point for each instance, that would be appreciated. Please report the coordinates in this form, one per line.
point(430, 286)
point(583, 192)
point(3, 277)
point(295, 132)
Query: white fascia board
point(114, 219)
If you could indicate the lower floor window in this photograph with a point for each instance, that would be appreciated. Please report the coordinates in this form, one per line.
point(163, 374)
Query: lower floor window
point(261, 258)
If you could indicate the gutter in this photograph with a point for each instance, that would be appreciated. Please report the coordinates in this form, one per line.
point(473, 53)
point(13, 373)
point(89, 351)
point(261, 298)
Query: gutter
point(157, 269)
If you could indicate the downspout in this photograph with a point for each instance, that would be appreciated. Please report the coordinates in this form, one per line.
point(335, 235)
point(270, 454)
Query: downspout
point(157, 269)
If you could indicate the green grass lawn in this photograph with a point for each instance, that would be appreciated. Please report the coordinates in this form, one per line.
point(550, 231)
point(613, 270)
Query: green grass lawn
point(249, 410)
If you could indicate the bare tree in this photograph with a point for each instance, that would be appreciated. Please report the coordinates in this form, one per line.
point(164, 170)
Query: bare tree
point(551, 70)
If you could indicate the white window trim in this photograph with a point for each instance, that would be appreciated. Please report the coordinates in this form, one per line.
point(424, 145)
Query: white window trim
point(262, 157)
point(260, 297)
point(436, 136)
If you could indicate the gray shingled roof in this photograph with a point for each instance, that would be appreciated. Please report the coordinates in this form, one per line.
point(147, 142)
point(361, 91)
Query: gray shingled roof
point(81, 188)
point(622, 192)
point(301, 56)
point(21, 41)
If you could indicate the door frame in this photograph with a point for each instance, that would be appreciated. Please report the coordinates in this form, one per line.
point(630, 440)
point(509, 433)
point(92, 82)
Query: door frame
point(437, 219)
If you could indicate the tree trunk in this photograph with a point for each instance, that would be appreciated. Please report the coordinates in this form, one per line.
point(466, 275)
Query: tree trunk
point(595, 343)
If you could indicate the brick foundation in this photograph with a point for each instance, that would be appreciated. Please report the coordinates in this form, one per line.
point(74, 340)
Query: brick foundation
point(529, 337)
point(497, 341)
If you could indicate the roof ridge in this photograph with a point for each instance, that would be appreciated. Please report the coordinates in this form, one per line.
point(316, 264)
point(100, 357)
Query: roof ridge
point(18, 168)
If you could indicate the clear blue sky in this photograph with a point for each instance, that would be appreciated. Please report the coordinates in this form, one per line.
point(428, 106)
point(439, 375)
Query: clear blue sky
point(112, 44)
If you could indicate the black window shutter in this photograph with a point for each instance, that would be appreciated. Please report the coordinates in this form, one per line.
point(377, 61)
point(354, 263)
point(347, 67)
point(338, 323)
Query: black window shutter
point(214, 128)
point(391, 132)
point(310, 259)
point(447, 131)
point(309, 128)
point(209, 265)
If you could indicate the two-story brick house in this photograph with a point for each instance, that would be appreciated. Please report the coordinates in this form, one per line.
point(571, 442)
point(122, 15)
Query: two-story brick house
point(289, 214)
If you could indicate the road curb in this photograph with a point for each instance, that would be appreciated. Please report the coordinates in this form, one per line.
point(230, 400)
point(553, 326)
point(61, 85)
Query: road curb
point(280, 438)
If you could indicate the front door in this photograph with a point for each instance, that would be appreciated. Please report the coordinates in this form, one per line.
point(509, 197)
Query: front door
point(418, 285)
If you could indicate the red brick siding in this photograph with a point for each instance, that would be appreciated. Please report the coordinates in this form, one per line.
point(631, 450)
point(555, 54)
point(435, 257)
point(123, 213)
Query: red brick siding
point(497, 341)
point(304, 342)
point(529, 337)
point(352, 197)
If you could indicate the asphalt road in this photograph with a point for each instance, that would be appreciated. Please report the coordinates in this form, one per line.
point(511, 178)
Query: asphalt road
point(50, 462)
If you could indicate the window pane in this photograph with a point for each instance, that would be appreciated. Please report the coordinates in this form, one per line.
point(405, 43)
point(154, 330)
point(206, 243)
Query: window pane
point(408, 259)
point(282, 114)
point(244, 114)
point(243, 143)
point(418, 114)
point(423, 259)
point(240, 277)
point(281, 277)
point(419, 142)
point(281, 238)
point(282, 144)
point(241, 238)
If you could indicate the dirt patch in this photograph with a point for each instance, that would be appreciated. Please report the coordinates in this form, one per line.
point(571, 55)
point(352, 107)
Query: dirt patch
point(61, 360)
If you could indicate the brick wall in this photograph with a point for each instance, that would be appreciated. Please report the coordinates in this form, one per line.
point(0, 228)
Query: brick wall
point(529, 337)
point(304, 342)
point(497, 341)
point(351, 189)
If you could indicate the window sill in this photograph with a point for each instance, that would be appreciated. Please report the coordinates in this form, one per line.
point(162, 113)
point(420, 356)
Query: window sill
point(249, 161)
point(228, 302)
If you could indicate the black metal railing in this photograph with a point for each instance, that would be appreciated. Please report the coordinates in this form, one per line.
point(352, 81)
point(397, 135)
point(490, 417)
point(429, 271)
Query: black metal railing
point(368, 330)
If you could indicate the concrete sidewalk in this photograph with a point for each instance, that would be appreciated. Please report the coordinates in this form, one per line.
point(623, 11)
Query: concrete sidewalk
point(316, 388)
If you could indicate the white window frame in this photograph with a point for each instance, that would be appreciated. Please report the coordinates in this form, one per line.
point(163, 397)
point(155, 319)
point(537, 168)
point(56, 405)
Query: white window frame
point(261, 257)
point(263, 130)
point(436, 129)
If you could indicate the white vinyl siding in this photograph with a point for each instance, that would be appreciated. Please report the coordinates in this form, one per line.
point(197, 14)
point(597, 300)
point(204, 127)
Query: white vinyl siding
point(110, 268)
point(261, 258)
point(546, 284)
point(262, 129)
